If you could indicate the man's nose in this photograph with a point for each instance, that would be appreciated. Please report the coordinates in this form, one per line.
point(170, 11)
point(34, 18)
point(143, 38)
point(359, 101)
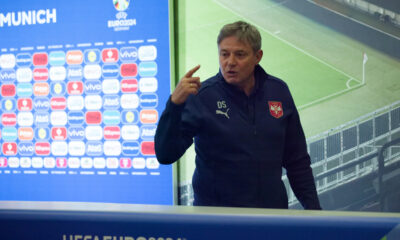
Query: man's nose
point(232, 60)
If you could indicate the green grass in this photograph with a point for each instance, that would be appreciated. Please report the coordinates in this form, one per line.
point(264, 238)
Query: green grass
point(280, 58)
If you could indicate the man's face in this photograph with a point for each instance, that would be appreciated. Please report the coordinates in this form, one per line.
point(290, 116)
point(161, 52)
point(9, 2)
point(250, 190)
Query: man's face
point(237, 61)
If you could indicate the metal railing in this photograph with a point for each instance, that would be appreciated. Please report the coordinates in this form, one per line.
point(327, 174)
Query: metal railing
point(351, 150)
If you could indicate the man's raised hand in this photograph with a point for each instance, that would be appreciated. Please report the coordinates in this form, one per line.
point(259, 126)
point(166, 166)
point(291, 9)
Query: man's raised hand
point(186, 86)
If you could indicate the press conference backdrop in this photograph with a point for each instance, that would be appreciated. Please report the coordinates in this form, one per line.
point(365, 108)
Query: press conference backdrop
point(81, 84)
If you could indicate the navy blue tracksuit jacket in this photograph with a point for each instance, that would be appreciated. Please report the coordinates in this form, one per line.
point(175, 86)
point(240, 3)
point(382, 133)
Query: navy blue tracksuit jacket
point(241, 143)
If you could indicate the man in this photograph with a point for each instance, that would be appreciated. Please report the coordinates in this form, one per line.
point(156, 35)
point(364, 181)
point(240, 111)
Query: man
point(245, 127)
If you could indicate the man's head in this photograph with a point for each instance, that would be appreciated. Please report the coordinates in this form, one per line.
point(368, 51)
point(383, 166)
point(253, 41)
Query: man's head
point(239, 48)
point(244, 32)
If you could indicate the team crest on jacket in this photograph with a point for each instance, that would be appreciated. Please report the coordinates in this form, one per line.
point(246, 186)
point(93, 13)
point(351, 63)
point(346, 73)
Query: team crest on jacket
point(275, 108)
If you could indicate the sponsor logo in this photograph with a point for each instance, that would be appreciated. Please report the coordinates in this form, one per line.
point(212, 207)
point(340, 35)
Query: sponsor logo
point(74, 57)
point(57, 58)
point(58, 73)
point(58, 88)
point(40, 74)
point(74, 162)
point(147, 148)
point(7, 60)
point(8, 90)
point(110, 86)
point(76, 118)
point(99, 163)
point(148, 85)
point(49, 162)
point(58, 133)
point(61, 162)
point(59, 148)
point(58, 103)
point(41, 16)
point(25, 119)
point(138, 163)
point(25, 162)
point(128, 54)
point(129, 70)
point(41, 104)
point(9, 119)
point(152, 163)
point(92, 56)
point(147, 53)
point(42, 118)
point(76, 133)
point(93, 87)
point(125, 163)
point(130, 148)
point(112, 132)
point(148, 131)
point(24, 74)
point(148, 100)
point(93, 133)
point(76, 148)
point(111, 117)
point(8, 104)
point(75, 72)
point(8, 75)
point(25, 133)
point(9, 134)
point(26, 149)
point(41, 89)
point(111, 101)
point(275, 109)
point(75, 103)
point(23, 60)
point(58, 118)
point(75, 88)
point(129, 101)
point(42, 148)
point(109, 55)
point(129, 85)
point(147, 69)
point(37, 162)
point(110, 70)
point(94, 148)
point(130, 132)
point(112, 148)
point(24, 89)
point(112, 163)
point(130, 117)
point(13, 162)
point(93, 117)
point(24, 104)
point(42, 133)
point(86, 162)
point(148, 116)
point(40, 59)
point(92, 71)
point(3, 162)
point(93, 102)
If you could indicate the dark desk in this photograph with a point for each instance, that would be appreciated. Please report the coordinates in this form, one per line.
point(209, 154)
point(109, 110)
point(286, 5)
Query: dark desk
point(95, 221)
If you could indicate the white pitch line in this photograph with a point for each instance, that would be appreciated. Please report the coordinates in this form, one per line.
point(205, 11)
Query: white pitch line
point(288, 43)
point(327, 97)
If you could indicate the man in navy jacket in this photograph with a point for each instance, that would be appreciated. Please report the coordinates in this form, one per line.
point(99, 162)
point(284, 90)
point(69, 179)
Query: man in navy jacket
point(245, 127)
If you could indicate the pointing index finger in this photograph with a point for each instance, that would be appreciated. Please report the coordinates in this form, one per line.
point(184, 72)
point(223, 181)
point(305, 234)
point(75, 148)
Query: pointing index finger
point(192, 71)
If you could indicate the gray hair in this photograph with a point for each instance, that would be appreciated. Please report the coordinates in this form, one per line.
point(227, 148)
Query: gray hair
point(244, 31)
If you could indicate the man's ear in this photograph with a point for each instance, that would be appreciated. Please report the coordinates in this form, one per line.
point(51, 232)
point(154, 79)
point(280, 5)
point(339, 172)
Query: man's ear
point(259, 55)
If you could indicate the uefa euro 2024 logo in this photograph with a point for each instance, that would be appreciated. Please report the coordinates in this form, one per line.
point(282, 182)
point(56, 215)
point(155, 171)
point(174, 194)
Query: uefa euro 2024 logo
point(121, 5)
